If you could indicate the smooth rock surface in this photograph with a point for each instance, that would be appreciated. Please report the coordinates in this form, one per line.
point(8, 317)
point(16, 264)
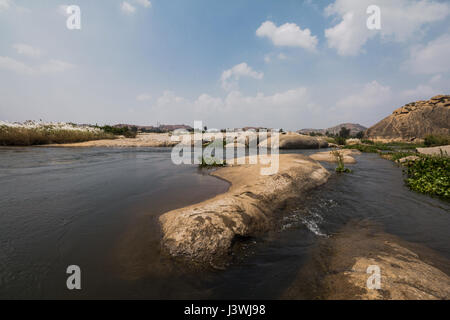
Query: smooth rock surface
point(408, 271)
point(204, 233)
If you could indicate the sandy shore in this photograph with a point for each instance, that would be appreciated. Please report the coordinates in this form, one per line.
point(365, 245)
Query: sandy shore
point(204, 233)
point(142, 140)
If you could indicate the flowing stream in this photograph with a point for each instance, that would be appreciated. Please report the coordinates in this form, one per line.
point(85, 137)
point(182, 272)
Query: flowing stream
point(98, 209)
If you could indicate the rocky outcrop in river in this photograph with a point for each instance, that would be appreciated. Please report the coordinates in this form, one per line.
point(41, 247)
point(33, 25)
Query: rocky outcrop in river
point(204, 233)
point(339, 269)
point(329, 156)
point(415, 120)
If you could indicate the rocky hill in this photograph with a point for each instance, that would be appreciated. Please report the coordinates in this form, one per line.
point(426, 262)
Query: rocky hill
point(415, 120)
point(354, 129)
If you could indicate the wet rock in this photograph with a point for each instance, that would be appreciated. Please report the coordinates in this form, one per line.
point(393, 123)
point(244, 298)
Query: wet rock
point(339, 269)
point(204, 233)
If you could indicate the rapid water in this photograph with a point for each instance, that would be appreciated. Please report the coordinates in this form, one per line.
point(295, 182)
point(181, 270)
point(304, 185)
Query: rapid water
point(98, 208)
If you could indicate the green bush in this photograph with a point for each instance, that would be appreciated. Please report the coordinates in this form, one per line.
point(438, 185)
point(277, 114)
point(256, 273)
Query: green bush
point(211, 162)
point(124, 131)
point(429, 175)
point(364, 148)
point(340, 140)
point(436, 140)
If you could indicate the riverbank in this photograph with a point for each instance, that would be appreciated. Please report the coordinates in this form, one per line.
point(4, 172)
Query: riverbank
point(427, 170)
point(204, 233)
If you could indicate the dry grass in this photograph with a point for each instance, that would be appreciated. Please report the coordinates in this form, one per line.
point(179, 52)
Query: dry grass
point(22, 136)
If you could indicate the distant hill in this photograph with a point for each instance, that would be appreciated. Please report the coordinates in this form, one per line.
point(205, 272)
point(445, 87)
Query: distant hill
point(415, 120)
point(354, 129)
point(160, 128)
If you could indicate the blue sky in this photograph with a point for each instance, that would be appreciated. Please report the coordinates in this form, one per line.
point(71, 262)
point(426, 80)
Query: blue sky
point(285, 64)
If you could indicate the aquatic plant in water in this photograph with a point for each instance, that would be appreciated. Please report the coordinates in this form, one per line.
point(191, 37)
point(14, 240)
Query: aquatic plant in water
point(340, 160)
point(429, 175)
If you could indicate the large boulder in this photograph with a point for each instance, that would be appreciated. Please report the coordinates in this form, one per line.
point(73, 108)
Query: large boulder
point(415, 120)
point(296, 141)
point(204, 233)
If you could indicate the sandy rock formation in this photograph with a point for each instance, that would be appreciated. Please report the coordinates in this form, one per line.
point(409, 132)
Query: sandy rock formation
point(204, 233)
point(297, 141)
point(445, 150)
point(353, 141)
point(141, 140)
point(328, 156)
point(415, 120)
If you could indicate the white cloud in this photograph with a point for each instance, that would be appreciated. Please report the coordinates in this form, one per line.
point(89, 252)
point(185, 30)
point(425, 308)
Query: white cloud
point(282, 56)
point(53, 66)
point(401, 20)
point(143, 97)
point(144, 3)
point(421, 92)
point(288, 34)
point(371, 95)
point(236, 109)
point(231, 76)
point(5, 5)
point(7, 63)
point(268, 58)
point(27, 50)
point(127, 8)
point(62, 9)
point(432, 58)
point(436, 79)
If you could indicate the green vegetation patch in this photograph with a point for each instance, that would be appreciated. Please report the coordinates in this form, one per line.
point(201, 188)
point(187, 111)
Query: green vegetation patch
point(124, 131)
point(429, 175)
point(436, 140)
point(340, 160)
point(206, 162)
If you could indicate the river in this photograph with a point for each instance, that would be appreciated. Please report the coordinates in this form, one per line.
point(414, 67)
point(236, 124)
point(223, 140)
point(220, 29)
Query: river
point(98, 209)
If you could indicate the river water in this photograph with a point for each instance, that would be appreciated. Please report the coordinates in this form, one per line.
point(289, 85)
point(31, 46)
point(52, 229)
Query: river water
point(98, 209)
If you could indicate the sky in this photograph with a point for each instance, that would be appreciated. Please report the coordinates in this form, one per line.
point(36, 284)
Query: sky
point(287, 64)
